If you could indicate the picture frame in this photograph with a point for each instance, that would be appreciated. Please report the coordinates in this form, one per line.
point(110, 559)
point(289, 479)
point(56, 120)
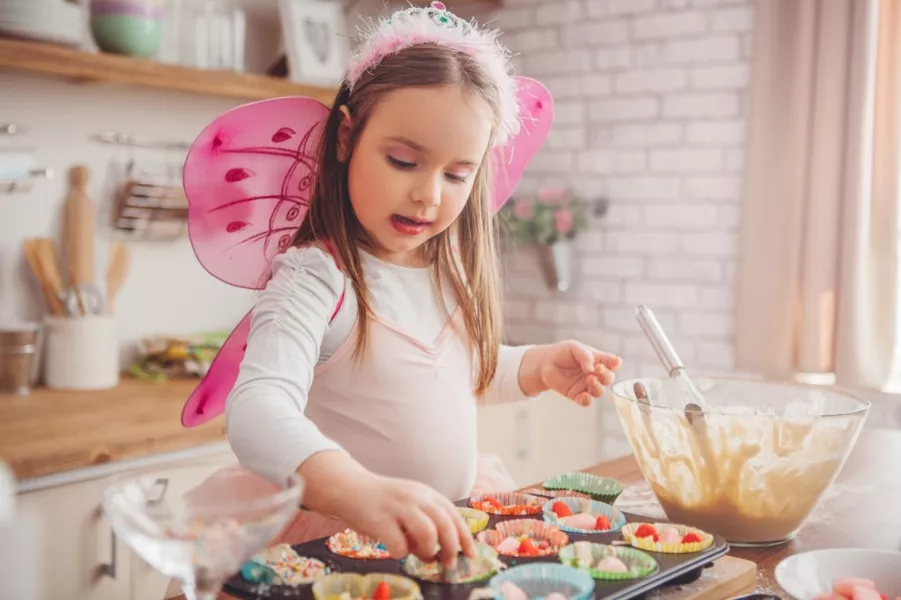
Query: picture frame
point(315, 40)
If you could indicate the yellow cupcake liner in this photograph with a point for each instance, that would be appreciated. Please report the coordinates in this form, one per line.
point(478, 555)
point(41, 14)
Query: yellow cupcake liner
point(477, 520)
point(650, 545)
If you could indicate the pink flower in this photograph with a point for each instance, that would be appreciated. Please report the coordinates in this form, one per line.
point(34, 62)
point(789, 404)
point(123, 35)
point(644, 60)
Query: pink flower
point(564, 221)
point(553, 195)
point(522, 210)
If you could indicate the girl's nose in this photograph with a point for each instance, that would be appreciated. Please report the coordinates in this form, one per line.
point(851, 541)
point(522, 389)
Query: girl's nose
point(428, 192)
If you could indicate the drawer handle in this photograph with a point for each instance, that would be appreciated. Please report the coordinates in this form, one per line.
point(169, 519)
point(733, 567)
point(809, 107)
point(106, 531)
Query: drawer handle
point(164, 482)
point(109, 569)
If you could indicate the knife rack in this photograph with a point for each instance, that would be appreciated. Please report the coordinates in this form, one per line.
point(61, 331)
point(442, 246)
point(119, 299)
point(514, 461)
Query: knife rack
point(149, 205)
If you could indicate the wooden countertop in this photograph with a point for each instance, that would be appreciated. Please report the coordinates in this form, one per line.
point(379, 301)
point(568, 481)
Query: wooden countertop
point(50, 432)
point(864, 512)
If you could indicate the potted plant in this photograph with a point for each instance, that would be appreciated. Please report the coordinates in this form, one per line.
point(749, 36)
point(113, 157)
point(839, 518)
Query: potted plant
point(549, 221)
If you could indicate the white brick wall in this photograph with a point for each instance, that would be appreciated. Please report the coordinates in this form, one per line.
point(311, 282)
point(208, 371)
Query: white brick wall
point(651, 97)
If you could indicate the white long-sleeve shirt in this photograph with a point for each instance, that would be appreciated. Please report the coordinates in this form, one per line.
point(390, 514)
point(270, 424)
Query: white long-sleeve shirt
point(284, 408)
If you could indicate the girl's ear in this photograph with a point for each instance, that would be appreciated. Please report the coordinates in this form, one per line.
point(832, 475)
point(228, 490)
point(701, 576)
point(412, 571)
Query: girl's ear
point(344, 131)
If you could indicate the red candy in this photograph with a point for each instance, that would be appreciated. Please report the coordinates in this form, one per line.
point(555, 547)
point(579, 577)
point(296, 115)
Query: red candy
point(382, 591)
point(561, 509)
point(603, 523)
point(646, 530)
point(692, 538)
point(527, 548)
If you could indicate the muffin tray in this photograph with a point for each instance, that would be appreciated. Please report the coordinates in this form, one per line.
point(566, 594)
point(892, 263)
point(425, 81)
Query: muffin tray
point(675, 569)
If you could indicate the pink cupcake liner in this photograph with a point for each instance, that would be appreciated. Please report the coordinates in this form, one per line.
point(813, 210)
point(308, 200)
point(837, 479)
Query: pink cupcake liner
point(507, 504)
point(536, 531)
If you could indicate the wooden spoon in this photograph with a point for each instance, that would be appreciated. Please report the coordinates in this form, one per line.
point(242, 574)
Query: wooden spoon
point(119, 262)
point(32, 255)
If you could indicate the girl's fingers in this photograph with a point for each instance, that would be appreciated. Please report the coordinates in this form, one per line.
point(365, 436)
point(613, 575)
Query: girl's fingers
point(420, 531)
point(448, 538)
point(391, 534)
point(595, 388)
point(467, 543)
point(611, 361)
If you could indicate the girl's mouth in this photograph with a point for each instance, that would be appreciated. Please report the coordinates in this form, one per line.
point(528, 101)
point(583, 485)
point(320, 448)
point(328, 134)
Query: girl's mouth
point(409, 226)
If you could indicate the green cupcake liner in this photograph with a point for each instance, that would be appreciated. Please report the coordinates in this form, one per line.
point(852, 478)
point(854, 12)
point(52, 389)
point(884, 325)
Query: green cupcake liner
point(640, 564)
point(485, 565)
point(602, 489)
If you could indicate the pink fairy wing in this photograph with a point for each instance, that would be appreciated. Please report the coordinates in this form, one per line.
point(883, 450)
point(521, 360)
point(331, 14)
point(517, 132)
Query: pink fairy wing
point(248, 178)
point(207, 401)
point(536, 108)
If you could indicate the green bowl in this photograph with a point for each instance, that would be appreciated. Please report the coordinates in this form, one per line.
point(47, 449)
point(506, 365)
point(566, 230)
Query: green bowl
point(135, 35)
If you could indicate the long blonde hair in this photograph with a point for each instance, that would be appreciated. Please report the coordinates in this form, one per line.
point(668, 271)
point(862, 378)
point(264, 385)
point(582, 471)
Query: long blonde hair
point(471, 270)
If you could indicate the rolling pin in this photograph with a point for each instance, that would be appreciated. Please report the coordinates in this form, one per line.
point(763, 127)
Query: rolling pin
point(79, 232)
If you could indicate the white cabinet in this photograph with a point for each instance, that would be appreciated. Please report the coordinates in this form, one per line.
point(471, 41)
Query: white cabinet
point(75, 538)
point(541, 437)
point(77, 541)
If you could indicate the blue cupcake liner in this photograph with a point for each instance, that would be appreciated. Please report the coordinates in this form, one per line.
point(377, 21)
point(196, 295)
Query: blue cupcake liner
point(538, 580)
point(617, 519)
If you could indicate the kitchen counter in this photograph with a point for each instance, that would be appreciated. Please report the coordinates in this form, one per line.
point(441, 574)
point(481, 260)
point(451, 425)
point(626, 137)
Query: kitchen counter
point(54, 434)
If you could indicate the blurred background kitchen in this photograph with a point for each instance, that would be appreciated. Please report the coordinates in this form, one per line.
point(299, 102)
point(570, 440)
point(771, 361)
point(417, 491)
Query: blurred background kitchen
point(686, 133)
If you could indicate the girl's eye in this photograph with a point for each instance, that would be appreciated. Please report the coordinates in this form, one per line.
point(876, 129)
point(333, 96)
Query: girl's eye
point(400, 164)
point(457, 178)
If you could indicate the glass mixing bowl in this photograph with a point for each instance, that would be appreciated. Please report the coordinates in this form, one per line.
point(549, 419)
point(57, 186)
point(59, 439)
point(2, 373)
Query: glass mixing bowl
point(753, 465)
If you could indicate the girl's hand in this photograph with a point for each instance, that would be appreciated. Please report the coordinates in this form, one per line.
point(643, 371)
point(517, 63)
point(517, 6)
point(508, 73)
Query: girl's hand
point(408, 517)
point(569, 368)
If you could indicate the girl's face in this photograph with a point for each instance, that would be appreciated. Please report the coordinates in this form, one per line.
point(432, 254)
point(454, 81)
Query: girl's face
point(414, 166)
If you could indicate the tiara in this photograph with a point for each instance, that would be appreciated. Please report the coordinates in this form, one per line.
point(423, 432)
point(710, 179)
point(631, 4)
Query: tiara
point(437, 25)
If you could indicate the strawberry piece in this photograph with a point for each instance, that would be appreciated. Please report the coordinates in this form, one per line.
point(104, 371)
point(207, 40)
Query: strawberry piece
point(493, 502)
point(527, 548)
point(692, 538)
point(845, 586)
point(543, 545)
point(647, 530)
point(603, 523)
point(561, 509)
point(382, 591)
point(862, 592)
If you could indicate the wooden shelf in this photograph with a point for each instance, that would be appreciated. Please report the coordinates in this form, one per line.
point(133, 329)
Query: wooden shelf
point(68, 63)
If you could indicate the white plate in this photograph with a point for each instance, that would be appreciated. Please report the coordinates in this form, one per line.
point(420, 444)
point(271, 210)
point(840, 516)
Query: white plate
point(808, 574)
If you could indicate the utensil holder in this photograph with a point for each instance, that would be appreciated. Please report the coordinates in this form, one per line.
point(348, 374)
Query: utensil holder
point(19, 351)
point(81, 353)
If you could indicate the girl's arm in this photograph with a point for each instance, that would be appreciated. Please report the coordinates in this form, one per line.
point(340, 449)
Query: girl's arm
point(569, 368)
point(508, 385)
point(265, 421)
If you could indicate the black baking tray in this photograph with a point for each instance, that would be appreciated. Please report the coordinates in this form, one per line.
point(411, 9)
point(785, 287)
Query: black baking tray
point(675, 569)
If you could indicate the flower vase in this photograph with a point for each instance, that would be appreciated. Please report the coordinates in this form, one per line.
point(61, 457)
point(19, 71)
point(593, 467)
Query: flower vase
point(556, 260)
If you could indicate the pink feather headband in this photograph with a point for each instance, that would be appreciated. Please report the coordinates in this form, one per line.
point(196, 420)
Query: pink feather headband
point(436, 25)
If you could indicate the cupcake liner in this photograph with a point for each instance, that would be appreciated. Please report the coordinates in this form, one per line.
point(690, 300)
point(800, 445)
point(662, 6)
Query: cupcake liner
point(545, 493)
point(537, 531)
point(585, 556)
point(477, 520)
point(602, 489)
point(577, 505)
point(480, 568)
point(539, 580)
point(281, 565)
point(360, 587)
point(351, 544)
point(648, 543)
point(511, 504)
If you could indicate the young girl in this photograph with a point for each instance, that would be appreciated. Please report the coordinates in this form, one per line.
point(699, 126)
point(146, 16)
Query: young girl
point(379, 331)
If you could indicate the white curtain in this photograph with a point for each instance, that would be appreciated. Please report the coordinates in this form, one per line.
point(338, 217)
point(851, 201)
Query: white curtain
point(817, 280)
